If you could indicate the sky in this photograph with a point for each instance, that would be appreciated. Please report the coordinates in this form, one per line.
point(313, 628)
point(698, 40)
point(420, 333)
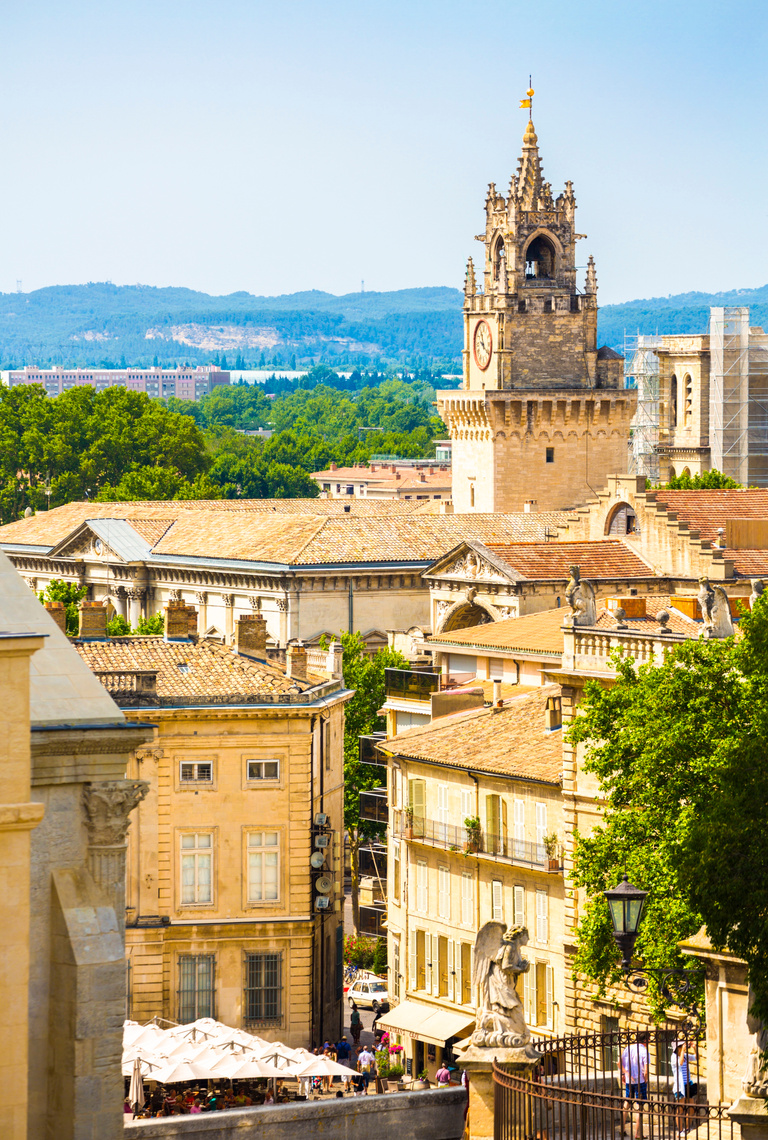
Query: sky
point(315, 144)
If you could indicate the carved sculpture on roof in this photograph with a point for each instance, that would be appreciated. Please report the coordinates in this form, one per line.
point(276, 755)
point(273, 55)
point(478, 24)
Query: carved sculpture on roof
point(755, 1079)
point(581, 598)
point(715, 609)
point(498, 963)
point(472, 566)
point(758, 589)
point(107, 808)
point(441, 609)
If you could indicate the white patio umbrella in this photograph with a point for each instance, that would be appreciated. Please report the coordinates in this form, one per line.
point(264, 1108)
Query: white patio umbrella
point(251, 1068)
point(281, 1056)
point(323, 1067)
point(136, 1090)
point(147, 1064)
point(179, 1071)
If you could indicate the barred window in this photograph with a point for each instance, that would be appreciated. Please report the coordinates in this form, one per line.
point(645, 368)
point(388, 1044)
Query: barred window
point(197, 771)
point(196, 987)
point(263, 988)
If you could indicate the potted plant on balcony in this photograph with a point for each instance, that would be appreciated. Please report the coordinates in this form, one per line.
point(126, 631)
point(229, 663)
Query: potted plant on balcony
point(472, 824)
point(408, 823)
point(551, 844)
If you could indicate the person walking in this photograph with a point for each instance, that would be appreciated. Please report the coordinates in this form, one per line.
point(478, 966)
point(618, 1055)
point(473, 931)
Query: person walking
point(355, 1024)
point(443, 1076)
point(634, 1075)
point(683, 1059)
point(365, 1064)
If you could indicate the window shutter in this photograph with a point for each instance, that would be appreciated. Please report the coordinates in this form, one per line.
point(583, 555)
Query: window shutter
point(497, 902)
point(520, 829)
point(450, 970)
point(435, 964)
point(467, 900)
point(503, 827)
point(519, 906)
point(467, 804)
point(442, 802)
point(458, 981)
point(542, 932)
point(550, 997)
point(416, 797)
point(412, 980)
point(422, 889)
point(444, 893)
point(541, 830)
point(530, 978)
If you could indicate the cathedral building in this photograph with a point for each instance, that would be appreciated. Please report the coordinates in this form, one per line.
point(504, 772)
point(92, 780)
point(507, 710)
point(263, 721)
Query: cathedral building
point(542, 413)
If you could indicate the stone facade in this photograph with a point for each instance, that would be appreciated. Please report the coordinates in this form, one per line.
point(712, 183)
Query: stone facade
point(541, 407)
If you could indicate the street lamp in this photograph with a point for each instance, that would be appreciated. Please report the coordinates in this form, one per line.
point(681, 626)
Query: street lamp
point(678, 985)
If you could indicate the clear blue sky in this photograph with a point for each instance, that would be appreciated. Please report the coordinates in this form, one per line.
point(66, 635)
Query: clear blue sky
point(273, 147)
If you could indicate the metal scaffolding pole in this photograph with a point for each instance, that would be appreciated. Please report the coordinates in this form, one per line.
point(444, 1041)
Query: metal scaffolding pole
point(641, 371)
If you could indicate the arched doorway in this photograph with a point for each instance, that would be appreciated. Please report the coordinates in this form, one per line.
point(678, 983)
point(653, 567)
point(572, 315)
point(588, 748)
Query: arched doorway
point(465, 616)
point(622, 520)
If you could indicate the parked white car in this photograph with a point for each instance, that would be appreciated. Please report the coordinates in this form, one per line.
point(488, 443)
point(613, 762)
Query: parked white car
point(367, 993)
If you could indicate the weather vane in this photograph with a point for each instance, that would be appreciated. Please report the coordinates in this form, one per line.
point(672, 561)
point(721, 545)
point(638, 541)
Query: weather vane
point(529, 101)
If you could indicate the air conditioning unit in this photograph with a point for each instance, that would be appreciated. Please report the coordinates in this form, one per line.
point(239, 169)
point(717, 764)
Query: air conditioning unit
point(322, 902)
point(321, 819)
point(317, 860)
point(322, 840)
point(324, 884)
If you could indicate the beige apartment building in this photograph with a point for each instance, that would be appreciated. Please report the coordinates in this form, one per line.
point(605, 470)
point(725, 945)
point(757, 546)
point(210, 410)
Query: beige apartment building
point(476, 828)
point(226, 915)
point(410, 480)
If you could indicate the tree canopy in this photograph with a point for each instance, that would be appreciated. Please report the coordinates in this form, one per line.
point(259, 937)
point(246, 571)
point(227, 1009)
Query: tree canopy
point(678, 751)
point(708, 480)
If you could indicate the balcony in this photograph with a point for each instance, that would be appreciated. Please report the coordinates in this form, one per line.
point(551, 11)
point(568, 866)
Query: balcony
point(373, 921)
point(372, 861)
point(411, 684)
point(374, 807)
point(369, 754)
point(458, 838)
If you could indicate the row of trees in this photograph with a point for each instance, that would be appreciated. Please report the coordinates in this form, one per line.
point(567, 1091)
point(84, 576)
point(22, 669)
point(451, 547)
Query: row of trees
point(124, 446)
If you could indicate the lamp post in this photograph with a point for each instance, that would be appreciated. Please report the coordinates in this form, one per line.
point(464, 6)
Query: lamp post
point(678, 985)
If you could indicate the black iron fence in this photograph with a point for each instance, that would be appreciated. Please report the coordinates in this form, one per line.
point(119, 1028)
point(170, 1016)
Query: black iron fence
point(595, 1086)
point(478, 841)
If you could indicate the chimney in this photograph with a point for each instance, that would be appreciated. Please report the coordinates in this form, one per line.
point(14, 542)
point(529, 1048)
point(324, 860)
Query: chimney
point(296, 661)
point(58, 612)
point(431, 470)
point(497, 699)
point(191, 621)
point(93, 621)
point(176, 622)
point(422, 477)
point(530, 505)
point(251, 635)
point(333, 467)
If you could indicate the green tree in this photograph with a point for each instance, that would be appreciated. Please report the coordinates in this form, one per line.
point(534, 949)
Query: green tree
point(71, 595)
point(678, 751)
point(364, 674)
point(153, 626)
point(119, 627)
point(708, 480)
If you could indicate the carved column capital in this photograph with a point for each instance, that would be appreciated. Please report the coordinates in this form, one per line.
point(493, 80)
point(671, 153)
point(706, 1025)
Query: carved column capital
point(282, 605)
point(201, 597)
point(175, 596)
point(255, 602)
point(228, 600)
point(107, 808)
point(31, 582)
point(136, 592)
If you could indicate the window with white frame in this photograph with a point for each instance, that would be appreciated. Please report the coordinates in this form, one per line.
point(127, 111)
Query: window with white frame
point(442, 811)
point(398, 787)
point(196, 771)
point(467, 803)
point(467, 898)
point(196, 868)
point(263, 769)
point(542, 917)
point(444, 893)
point(263, 866)
point(422, 887)
point(541, 830)
point(519, 829)
point(519, 902)
point(497, 900)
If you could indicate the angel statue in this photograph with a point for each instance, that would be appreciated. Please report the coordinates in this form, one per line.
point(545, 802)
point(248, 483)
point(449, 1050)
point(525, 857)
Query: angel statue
point(498, 961)
point(580, 596)
point(715, 609)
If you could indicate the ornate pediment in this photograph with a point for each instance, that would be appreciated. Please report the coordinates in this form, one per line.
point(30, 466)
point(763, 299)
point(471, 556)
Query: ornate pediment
point(471, 562)
point(85, 543)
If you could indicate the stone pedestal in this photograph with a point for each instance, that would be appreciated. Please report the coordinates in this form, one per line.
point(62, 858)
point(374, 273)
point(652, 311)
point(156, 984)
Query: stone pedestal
point(751, 1114)
point(478, 1063)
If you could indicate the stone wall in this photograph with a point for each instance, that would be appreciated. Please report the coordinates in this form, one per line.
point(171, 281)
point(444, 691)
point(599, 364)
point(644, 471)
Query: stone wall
point(434, 1115)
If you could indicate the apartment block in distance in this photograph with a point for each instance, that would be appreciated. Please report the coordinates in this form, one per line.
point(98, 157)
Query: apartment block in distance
point(182, 382)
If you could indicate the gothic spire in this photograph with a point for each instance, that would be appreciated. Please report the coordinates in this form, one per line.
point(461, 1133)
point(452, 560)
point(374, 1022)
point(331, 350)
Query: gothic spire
point(529, 178)
point(469, 281)
point(590, 285)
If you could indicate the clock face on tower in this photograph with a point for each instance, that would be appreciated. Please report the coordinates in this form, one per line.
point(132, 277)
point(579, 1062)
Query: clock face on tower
point(483, 345)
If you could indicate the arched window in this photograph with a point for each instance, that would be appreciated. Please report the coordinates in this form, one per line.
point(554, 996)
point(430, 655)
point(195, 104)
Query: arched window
point(499, 253)
point(688, 399)
point(540, 259)
point(673, 403)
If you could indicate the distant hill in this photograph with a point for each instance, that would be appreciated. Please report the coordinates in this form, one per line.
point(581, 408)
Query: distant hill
point(104, 324)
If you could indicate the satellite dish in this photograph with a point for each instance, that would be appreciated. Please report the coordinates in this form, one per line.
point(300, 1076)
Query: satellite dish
point(324, 884)
point(317, 860)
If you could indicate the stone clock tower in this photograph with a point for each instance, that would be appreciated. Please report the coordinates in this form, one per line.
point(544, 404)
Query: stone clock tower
point(542, 414)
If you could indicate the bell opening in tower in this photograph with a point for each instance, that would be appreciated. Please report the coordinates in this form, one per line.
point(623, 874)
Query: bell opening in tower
point(540, 260)
point(499, 253)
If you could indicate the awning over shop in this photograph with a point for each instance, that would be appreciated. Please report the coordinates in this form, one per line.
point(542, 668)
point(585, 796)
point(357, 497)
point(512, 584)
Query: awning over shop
point(426, 1022)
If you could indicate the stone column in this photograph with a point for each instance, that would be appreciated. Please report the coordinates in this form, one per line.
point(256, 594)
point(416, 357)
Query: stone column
point(282, 609)
point(229, 617)
point(107, 808)
point(478, 1063)
point(201, 597)
point(119, 599)
point(751, 1115)
point(135, 598)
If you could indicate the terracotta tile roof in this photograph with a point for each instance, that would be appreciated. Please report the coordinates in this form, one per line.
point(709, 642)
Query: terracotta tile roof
point(211, 530)
point(678, 622)
point(383, 477)
point(749, 563)
point(603, 558)
point(534, 633)
point(510, 742)
point(706, 511)
point(202, 672)
point(151, 529)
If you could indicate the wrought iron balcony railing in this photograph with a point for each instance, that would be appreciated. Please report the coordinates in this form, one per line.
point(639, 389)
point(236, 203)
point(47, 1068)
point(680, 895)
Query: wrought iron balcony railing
point(475, 841)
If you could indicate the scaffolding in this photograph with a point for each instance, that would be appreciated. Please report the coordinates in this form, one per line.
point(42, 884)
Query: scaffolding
point(738, 397)
point(641, 371)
